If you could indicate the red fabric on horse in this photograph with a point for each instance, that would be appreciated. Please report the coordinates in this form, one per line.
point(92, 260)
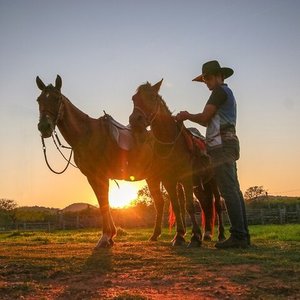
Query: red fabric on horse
point(193, 141)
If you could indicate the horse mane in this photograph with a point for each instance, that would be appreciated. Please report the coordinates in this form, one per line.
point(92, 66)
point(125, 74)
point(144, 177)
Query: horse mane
point(74, 106)
point(52, 88)
point(147, 88)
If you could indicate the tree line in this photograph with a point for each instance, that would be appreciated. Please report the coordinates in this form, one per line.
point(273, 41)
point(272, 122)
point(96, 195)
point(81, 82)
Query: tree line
point(141, 212)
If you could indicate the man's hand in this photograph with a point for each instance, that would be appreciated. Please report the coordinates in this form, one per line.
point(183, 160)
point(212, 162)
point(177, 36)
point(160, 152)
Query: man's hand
point(202, 118)
point(182, 116)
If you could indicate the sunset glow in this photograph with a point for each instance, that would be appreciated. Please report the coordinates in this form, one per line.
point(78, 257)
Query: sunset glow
point(106, 49)
point(122, 196)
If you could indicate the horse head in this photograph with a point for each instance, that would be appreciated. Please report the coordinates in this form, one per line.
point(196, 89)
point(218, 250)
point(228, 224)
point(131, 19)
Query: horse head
point(50, 106)
point(145, 106)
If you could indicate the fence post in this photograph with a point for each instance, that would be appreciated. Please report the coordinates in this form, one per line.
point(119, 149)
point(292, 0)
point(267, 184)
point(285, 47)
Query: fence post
point(280, 215)
point(298, 212)
point(262, 217)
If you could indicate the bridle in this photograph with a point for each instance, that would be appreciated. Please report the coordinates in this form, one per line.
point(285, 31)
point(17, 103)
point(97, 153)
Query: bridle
point(153, 114)
point(59, 115)
point(150, 119)
point(57, 144)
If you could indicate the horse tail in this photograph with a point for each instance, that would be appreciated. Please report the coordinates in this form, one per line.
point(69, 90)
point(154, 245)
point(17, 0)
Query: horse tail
point(202, 218)
point(213, 217)
point(172, 217)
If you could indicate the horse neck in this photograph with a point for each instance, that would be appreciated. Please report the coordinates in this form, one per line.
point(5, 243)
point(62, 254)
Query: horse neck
point(164, 126)
point(73, 124)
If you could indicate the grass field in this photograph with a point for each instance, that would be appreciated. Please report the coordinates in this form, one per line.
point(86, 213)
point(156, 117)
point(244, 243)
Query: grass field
point(63, 265)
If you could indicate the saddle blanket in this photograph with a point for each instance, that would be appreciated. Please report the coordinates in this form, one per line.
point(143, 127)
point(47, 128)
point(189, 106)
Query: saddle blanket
point(194, 139)
point(120, 133)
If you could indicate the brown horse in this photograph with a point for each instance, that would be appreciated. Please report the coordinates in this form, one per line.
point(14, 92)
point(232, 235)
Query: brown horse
point(177, 163)
point(96, 153)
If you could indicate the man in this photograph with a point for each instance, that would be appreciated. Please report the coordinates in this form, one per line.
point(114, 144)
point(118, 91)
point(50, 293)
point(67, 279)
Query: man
point(219, 116)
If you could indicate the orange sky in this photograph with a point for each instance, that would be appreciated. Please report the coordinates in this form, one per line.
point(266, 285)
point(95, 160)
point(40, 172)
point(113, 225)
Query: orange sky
point(105, 49)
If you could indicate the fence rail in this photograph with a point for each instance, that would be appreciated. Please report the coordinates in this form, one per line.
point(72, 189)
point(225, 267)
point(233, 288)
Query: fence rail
point(278, 215)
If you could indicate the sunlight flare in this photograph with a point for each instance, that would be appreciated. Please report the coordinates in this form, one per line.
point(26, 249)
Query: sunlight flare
point(122, 196)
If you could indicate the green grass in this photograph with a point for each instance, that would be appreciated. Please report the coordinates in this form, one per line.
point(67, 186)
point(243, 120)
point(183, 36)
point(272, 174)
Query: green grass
point(64, 265)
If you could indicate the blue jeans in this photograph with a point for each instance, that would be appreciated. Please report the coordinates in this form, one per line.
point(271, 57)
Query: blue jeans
point(224, 163)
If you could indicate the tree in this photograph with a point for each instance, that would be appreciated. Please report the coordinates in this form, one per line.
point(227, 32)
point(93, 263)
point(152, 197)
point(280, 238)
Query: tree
point(7, 205)
point(144, 196)
point(254, 192)
point(8, 209)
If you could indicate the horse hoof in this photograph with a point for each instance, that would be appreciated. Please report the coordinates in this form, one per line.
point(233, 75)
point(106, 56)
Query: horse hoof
point(194, 244)
point(103, 245)
point(207, 237)
point(221, 238)
point(153, 238)
point(178, 241)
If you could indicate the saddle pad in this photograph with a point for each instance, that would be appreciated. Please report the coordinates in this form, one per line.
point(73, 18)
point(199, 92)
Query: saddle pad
point(195, 132)
point(119, 125)
point(120, 133)
point(123, 137)
point(194, 139)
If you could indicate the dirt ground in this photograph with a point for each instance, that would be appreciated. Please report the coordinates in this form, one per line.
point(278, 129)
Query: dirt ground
point(42, 268)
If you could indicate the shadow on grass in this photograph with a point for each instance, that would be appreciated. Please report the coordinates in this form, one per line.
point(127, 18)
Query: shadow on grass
point(90, 278)
point(280, 254)
point(100, 261)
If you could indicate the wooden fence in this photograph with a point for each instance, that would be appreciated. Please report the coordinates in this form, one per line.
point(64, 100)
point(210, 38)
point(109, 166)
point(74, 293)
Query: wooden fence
point(277, 215)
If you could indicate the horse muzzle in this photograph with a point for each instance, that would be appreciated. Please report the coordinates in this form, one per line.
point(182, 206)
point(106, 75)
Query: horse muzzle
point(138, 122)
point(45, 127)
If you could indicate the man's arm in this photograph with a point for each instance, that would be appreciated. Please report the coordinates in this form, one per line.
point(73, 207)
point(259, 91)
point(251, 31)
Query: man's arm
point(201, 118)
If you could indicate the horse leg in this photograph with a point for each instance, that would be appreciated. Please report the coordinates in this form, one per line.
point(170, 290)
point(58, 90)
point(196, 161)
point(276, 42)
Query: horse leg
point(196, 239)
point(182, 203)
point(218, 207)
point(180, 229)
point(109, 229)
point(205, 196)
point(154, 188)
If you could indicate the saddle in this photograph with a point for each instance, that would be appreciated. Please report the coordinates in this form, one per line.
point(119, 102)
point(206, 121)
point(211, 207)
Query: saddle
point(120, 133)
point(134, 160)
point(195, 140)
point(201, 160)
point(196, 133)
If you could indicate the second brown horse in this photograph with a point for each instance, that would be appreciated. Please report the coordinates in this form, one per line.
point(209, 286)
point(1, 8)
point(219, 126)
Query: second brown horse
point(177, 163)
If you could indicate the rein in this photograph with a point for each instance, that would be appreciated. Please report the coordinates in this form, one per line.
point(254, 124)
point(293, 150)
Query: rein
point(60, 145)
point(151, 119)
point(47, 162)
point(173, 144)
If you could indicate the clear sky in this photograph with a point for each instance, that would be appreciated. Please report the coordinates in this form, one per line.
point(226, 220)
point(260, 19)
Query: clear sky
point(104, 50)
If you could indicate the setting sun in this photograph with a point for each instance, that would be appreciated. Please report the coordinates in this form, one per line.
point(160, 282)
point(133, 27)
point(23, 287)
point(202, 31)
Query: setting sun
point(124, 195)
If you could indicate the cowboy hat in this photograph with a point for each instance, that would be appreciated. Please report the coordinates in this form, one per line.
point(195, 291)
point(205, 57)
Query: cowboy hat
point(211, 68)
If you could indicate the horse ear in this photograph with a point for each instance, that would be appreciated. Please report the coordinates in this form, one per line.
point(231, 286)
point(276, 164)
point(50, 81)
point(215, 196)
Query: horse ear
point(156, 86)
point(58, 82)
point(40, 83)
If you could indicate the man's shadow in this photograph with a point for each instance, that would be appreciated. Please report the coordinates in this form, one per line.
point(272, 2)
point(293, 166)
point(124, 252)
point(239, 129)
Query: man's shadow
point(91, 279)
point(100, 261)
